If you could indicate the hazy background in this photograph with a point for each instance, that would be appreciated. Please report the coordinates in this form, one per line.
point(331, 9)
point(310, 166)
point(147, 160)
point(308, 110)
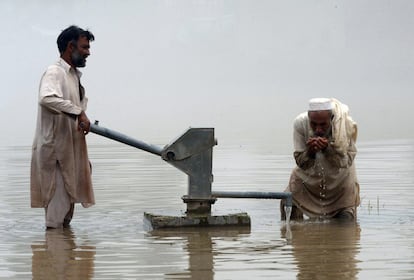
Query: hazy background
point(246, 68)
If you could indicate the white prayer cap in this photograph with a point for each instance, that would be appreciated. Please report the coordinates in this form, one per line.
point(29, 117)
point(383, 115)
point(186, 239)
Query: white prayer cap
point(320, 104)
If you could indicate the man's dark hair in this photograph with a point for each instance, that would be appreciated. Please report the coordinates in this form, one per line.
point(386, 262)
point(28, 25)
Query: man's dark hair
point(72, 34)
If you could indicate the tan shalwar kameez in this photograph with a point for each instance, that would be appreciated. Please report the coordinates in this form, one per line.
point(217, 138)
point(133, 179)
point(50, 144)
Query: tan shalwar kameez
point(327, 184)
point(59, 152)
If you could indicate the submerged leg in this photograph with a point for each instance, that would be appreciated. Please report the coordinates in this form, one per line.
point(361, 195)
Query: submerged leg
point(348, 214)
point(69, 215)
point(59, 205)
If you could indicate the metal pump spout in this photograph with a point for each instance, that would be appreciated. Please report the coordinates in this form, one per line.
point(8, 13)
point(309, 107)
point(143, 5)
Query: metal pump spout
point(192, 153)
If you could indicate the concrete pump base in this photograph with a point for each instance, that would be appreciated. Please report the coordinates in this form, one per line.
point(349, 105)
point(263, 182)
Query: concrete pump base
point(162, 221)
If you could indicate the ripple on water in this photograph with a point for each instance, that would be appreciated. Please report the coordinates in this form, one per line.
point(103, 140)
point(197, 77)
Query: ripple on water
point(108, 241)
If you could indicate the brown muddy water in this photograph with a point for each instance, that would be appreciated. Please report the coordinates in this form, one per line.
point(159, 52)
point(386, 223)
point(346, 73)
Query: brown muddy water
point(109, 241)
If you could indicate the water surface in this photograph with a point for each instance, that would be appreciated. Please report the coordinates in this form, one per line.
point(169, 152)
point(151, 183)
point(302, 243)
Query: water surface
point(108, 241)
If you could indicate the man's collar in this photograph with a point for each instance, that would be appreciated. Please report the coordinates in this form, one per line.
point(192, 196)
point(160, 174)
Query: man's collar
point(67, 67)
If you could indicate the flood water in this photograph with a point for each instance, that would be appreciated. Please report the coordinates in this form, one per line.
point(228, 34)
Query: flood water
point(109, 241)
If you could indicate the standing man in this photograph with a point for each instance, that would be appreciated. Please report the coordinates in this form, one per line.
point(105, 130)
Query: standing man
point(324, 182)
point(60, 169)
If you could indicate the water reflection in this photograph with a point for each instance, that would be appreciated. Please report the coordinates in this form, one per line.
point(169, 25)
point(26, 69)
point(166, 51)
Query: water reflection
point(59, 257)
point(107, 241)
point(199, 246)
point(325, 250)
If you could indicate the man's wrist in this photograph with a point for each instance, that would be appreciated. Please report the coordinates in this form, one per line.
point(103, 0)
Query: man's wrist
point(72, 116)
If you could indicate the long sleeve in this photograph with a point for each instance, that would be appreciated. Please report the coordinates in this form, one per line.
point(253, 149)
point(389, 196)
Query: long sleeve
point(339, 159)
point(300, 136)
point(303, 160)
point(51, 93)
point(334, 157)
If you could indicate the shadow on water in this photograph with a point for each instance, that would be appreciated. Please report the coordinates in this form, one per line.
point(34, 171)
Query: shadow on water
point(320, 249)
point(59, 257)
point(200, 247)
point(325, 249)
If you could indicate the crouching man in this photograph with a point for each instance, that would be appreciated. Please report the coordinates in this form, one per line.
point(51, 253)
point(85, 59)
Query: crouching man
point(324, 182)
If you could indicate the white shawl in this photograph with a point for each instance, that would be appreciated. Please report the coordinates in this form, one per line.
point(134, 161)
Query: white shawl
point(343, 126)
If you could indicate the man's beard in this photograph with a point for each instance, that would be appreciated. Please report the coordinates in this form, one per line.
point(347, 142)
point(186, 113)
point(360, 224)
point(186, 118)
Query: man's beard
point(326, 134)
point(77, 59)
